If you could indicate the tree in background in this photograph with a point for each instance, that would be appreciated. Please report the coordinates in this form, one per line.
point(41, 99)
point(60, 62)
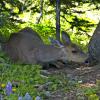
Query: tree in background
point(42, 12)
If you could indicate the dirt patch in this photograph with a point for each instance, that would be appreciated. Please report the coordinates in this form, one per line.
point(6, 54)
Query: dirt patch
point(78, 71)
point(87, 75)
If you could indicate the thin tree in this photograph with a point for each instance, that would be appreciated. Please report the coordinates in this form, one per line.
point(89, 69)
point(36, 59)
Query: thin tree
point(58, 20)
point(41, 11)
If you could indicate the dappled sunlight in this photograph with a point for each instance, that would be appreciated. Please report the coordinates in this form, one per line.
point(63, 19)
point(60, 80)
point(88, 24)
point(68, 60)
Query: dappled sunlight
point(25, 16)
point(87, 85)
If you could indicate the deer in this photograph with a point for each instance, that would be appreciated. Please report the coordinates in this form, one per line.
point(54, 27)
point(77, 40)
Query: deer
point(27, 47)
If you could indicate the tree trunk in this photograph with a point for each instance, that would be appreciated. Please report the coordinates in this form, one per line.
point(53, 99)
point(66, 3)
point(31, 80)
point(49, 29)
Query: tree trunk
point(41, 11)
point(58, 20)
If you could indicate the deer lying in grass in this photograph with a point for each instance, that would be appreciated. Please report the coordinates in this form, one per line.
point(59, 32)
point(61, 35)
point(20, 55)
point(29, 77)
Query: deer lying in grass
point(27, 47)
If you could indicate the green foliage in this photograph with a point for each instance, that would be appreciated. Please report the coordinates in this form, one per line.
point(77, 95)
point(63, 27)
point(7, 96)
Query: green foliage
point(91, 93)
point(28, 78)
point(73, 3)
point(17, 14)
point(45, 32)
point(23, 78)
point(74, 20)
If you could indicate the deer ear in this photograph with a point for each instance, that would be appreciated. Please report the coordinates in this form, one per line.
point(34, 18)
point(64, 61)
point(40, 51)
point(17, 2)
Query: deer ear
point(55, 42)
point(65, 38)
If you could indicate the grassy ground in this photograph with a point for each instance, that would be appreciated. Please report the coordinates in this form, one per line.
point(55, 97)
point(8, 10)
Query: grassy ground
point(51, 84)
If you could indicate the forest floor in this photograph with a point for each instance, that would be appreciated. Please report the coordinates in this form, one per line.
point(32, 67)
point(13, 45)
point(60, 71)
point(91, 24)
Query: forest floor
point(71, 81)
point(88, 77)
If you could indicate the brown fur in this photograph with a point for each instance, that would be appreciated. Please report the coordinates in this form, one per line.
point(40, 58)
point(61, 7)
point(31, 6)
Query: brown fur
point(27, 47)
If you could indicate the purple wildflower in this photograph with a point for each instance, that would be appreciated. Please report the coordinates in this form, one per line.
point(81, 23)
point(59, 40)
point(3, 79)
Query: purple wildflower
point(38, 98)
point(20, 98)
point(8, 88)
point(27, 97)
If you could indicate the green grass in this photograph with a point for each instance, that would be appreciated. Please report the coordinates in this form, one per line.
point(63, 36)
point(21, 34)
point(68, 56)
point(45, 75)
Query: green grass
point(28, 78)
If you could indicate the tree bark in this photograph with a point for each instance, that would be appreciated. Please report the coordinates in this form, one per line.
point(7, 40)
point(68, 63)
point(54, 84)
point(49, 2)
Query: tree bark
point(41, 11)
point(58, 20)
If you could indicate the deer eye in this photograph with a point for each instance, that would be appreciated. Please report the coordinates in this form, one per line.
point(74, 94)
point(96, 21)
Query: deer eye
point(74, 51)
